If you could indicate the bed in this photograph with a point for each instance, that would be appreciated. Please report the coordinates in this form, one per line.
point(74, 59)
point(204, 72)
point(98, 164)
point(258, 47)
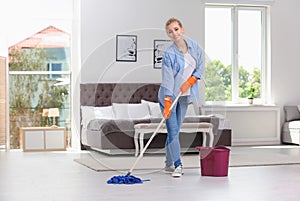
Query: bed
point(109, 112)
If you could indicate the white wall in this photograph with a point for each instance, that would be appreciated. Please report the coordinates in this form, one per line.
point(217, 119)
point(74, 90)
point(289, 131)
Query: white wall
point(3, 37)
point(3, 45)
point(102, 20)
point(285, 29)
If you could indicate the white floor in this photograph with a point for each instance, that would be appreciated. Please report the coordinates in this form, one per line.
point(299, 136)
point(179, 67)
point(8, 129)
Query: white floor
point(54, 176)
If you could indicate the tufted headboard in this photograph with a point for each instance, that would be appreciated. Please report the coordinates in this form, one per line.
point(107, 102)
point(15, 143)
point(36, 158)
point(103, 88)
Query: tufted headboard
point(104, 94)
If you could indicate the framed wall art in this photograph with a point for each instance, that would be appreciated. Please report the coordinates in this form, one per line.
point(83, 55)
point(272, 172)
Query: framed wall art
point(159, 48)
point(126, 46)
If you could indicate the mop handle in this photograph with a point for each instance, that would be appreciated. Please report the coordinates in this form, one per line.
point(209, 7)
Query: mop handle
point(152, 136)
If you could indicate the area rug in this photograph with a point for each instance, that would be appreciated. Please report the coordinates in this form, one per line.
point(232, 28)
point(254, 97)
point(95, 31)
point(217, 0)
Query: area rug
point(238, 157)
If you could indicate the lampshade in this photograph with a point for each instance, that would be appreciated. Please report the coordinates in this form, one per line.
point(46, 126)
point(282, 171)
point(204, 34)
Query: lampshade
point(45, 112)
point(53, 112)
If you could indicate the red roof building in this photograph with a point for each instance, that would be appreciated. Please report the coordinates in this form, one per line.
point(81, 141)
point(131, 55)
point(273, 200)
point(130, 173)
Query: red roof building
point(50, 37)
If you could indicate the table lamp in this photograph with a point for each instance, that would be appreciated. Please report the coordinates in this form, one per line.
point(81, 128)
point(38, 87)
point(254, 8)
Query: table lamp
point(53, 112)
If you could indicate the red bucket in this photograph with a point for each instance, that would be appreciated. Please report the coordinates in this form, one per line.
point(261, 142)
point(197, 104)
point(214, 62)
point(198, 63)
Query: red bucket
point(214, 161)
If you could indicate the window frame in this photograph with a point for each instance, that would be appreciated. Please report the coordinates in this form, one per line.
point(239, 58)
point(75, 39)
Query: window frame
point(51, 67)
point(265, 53)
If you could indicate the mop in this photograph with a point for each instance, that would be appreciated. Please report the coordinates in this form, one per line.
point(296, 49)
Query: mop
point(128, 178)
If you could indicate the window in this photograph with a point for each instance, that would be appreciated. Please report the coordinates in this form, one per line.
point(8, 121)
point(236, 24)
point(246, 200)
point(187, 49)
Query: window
point(33, 89)
point(40, 66)
point(54, 67)
point(235, 44)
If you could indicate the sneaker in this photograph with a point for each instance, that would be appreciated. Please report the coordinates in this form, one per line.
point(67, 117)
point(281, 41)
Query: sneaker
point(178, 172)
point(168, 169)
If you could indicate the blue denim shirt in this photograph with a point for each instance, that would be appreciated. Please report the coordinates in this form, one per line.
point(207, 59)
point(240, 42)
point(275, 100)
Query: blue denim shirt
point(172, 71)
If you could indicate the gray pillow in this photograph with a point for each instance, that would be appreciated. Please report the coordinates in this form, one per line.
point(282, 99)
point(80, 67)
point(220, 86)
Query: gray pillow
point(291, 113)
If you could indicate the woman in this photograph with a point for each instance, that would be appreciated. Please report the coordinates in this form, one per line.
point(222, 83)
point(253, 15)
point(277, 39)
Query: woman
point(182, 67)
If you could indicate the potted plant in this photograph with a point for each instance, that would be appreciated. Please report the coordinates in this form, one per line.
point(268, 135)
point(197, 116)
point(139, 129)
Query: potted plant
point(253, 89)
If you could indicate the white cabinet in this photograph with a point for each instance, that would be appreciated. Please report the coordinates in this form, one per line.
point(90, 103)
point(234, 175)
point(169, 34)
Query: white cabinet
point(43, 139)
point(250, 124)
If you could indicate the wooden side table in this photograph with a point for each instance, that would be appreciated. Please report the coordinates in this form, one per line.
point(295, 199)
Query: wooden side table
point(43, 138)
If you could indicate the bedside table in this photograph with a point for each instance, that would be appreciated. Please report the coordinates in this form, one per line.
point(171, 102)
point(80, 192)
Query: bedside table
point(43, 138)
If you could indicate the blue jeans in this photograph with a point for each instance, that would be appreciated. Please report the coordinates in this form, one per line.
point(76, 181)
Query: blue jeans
point(173, 126)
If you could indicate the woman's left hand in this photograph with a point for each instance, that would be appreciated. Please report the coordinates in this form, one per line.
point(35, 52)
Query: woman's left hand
point(186, 85)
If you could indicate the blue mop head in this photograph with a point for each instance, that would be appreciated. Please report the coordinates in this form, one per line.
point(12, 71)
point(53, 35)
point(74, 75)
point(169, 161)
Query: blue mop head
point(127, 179)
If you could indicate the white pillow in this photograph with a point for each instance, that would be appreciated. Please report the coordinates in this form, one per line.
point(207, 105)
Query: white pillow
point(154, 109)
point(104, 112)
point(130, 111)
point(89, 113)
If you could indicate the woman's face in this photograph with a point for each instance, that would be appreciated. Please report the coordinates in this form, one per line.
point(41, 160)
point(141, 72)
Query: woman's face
point(175, 32)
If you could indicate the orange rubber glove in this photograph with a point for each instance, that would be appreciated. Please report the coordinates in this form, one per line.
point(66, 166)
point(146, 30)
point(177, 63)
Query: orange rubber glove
point(186, 85)
point(167, 112)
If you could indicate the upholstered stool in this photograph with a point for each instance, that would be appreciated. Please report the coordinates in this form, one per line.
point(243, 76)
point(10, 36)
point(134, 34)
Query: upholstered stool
point(142, 128)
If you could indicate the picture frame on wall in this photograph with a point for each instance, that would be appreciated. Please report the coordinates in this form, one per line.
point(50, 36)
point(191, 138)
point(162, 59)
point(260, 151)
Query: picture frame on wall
point(126, 48)
point(159, 48)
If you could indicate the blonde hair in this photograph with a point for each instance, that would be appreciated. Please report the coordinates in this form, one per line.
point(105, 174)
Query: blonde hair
point(171, 20)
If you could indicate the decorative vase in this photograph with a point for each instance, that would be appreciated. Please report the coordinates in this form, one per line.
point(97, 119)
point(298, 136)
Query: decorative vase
point(250, 101)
